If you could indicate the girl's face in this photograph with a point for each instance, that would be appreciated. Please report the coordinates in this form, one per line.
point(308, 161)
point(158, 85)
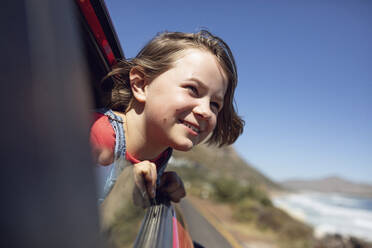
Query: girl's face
point(182, 104)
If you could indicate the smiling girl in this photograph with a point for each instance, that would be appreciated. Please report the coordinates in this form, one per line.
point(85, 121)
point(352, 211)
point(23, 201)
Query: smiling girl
point(177, 92)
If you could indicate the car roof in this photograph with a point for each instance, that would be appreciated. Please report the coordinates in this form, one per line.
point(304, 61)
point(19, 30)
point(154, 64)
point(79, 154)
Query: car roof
point(101, 46)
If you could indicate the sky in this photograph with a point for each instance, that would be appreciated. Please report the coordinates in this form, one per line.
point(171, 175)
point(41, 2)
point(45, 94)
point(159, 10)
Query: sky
point(305, 76)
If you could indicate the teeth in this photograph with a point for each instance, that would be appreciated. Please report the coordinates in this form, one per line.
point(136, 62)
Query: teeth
point(192, 127)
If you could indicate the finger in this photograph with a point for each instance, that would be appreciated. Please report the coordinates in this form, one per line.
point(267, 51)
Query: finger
point(146, 177)
point(150, 178)
point(139, 180)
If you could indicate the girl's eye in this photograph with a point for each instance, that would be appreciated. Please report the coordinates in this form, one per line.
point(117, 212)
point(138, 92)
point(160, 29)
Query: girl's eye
point(192, 89)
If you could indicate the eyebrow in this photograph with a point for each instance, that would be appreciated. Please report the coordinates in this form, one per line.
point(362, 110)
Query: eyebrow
point(201, 84)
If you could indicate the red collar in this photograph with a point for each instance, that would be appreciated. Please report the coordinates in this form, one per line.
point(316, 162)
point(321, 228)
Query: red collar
point(159, 160)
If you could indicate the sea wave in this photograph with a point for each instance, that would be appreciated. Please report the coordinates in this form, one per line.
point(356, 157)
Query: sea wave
point(329, 213)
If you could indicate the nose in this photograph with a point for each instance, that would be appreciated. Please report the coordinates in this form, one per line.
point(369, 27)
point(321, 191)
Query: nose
point(203, 110)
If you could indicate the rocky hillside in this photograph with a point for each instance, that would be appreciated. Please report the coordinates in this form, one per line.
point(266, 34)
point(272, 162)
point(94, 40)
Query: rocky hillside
point(221, 180)
point(331, 185)
point(225, 161)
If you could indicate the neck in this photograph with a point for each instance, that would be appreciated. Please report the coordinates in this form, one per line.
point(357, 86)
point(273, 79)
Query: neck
point(138, 142)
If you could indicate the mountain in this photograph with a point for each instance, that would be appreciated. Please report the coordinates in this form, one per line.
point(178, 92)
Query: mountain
point(331, 184)
point(226, 161)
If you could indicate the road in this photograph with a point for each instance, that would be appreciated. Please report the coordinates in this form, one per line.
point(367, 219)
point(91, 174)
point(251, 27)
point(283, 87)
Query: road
point(200, 229)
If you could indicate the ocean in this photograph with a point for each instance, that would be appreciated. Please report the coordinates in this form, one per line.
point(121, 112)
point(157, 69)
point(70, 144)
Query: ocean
point(330, 213)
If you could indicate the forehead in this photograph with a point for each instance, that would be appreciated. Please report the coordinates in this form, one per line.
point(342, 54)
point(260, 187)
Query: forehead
point(203, 66)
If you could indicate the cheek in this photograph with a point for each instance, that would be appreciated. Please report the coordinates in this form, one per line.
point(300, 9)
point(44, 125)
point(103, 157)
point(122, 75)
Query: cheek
point(212, 125)
point(177, 106)
point(182, 104)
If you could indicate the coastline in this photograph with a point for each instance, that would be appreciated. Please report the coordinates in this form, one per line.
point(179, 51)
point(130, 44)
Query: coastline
point(331, 214)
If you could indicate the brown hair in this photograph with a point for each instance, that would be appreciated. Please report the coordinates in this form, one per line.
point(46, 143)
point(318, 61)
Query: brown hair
point(159, 56)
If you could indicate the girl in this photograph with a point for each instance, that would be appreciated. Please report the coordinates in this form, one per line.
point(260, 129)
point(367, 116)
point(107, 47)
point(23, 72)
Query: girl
point(177, 92)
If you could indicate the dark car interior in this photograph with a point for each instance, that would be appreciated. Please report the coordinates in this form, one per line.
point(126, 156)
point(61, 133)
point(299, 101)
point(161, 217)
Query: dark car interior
point(47, 183)
point(95, 22)
point(55, 54)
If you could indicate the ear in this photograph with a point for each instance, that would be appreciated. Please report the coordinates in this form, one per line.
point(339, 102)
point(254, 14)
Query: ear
point(138, 84)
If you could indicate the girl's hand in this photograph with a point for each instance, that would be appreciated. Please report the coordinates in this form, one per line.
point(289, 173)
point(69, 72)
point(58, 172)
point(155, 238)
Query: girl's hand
point(145, 177)
point(172, 186)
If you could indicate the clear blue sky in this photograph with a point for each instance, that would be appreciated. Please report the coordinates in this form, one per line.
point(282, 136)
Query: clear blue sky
point(305, 76)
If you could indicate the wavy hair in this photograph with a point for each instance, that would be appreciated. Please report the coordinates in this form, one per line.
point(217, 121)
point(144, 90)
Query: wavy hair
point(159, 55)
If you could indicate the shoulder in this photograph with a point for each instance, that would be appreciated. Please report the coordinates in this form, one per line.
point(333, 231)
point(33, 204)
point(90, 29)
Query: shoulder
point(101, 133)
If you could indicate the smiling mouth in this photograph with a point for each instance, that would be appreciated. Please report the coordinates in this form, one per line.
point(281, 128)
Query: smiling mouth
point(193, 128)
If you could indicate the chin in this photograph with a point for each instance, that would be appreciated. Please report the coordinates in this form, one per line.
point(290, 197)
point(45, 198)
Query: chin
point(184, 147)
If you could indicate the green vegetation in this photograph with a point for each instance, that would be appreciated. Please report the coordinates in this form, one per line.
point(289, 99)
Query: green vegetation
point(225, 162)
point(245, 193)
point(270, 218)
point(229, 190)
